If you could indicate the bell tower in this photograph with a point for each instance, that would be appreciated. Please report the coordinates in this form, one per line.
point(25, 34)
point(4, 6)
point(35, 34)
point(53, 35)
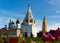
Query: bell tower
point(28, 24)
point(44, 25)
point(17, 24)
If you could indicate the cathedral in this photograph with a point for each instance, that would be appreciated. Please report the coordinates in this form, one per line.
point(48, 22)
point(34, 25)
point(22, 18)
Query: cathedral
point(28, 26)
point(12, 31)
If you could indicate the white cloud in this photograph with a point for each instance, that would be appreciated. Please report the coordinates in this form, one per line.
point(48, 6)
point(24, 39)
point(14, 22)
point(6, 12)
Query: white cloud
point(9, 15)
point(57, 11)
point(54, 2)
point(6, 19)
point(38, 24)
point(50, 25)
point(38, 21)
point(55, 16)
point(50, 2)
point(53, 26)
point(12, 14)
point(20, 16)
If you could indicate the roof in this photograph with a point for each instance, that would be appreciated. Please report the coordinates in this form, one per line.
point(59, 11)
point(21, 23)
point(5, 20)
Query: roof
point(17, 21)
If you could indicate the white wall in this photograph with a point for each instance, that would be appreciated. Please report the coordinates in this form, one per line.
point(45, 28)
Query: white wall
point(34, 31)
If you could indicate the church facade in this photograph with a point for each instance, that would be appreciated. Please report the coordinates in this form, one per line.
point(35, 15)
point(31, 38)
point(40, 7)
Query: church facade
point(28, 27)
point(11, 31)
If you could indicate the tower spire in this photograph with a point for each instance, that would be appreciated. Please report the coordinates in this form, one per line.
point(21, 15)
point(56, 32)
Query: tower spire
point(44, 25)
point(29, 12)
point(28, 22)
point(29, 17)
point(28, 5)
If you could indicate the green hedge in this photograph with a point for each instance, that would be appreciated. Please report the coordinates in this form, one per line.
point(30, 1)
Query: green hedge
point(39, 40)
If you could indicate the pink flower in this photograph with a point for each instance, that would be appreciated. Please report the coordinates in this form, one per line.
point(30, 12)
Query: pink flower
point(32, 41)
point(57, 34)
point(47, 36)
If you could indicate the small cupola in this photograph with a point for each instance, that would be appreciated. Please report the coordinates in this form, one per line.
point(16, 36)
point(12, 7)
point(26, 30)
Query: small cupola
point(12, 22)
point(17, 21)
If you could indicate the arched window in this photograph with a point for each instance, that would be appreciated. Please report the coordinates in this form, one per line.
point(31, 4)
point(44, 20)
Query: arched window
point(31, 20)
point(26, 20)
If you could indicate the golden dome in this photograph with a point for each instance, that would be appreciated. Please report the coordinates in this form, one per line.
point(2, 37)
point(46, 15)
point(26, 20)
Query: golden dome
point(17, 21)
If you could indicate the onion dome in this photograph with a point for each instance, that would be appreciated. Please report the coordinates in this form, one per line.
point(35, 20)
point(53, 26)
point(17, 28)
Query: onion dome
point(12, 22)
point(17, 21)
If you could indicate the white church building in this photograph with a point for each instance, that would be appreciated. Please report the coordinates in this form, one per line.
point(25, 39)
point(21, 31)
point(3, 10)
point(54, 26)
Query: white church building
point(28, 25)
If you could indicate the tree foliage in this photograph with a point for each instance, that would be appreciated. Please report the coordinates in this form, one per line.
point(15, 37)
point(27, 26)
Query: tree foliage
point(0, 36)
point(20, 38)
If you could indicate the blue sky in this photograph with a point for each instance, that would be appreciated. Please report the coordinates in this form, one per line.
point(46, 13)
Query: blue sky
point(13, 9)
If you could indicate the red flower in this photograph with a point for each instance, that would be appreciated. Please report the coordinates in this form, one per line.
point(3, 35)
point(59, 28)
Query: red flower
point(23, 41)
point(13, 40)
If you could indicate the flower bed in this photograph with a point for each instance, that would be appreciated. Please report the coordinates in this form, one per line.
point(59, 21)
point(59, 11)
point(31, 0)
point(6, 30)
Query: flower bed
point(30, 40)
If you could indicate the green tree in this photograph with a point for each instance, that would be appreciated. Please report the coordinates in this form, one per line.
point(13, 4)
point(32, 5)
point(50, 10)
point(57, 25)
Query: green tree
point(7, 36)
point(56, 41)
point(1, 36)
point(20, 38)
